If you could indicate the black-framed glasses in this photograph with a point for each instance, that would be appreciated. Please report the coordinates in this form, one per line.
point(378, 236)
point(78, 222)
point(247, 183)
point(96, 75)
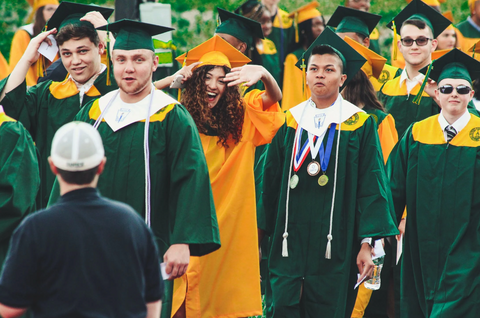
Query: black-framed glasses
point(461, 89)
point(421, 41)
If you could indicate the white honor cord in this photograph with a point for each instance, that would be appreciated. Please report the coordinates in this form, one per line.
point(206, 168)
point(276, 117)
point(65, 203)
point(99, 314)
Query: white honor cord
point(285, 233)
point(102, 114)
point(147, 160)
point(328, 252)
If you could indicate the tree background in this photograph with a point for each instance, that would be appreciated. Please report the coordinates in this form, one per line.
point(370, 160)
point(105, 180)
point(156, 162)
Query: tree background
point(194, 27)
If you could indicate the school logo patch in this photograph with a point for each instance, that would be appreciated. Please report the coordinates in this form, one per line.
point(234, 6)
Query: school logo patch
point(475, 134)
point(352, 120)
point(384, 76)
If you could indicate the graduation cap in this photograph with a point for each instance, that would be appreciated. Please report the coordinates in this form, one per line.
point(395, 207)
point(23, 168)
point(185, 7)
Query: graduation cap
point(454, 64)
point(302, 14)
point(449, 15)
point(244, 29)
point(215, 51)
point(418, 10)
point(134, 35)
point(352, 60)
point(374, 64)
point(351, 20)
point(70, 13)
point(36, 4)
point(432, 3)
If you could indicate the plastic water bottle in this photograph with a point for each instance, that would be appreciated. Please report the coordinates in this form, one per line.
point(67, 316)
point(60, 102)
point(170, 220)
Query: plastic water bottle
point(374, 282)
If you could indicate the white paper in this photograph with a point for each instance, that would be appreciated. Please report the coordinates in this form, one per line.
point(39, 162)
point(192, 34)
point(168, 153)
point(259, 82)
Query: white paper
point(378, 250)
point(163, 266)
point(358, 284)
point(49, 51)
point(399, 247)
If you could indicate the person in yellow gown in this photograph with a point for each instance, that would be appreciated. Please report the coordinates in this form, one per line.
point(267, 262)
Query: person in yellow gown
point(309, 24)
point(4, 68)
point(226, 282)
point(43, 11)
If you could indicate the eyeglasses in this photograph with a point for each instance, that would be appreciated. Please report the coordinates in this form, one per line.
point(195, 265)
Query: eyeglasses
point(461, 89)
point(421, 41)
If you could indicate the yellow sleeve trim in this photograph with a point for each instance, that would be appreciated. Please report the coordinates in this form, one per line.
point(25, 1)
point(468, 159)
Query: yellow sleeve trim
point(94, 111)
point(428, 131)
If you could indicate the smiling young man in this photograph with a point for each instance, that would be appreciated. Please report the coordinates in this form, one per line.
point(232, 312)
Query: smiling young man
point(418, 26)
point(324, 192)
point(47, 106)
point(155, 154)
point(434, 173)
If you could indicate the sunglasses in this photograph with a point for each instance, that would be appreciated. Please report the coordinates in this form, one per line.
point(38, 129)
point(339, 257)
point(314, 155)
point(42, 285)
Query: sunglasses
point(421, 41)
point(461, 89)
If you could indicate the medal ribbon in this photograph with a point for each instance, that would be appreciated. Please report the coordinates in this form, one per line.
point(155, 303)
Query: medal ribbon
point(326, 153)
point(300, 155)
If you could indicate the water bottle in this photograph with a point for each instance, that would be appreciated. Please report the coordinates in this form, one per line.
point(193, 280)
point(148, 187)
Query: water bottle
point(374, 282)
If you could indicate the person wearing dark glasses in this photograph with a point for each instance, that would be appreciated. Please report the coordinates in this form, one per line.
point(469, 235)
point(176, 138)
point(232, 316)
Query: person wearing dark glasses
point(434, 172)
point(418, 26)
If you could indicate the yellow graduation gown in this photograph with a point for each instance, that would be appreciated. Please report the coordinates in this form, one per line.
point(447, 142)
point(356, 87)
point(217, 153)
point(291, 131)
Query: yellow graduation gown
point(226, 283)
point(293, 82)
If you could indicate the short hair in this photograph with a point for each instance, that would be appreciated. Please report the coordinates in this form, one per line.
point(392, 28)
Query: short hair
point(78, 177)
point(326, 49)
point(76, 32)
point(418, 23)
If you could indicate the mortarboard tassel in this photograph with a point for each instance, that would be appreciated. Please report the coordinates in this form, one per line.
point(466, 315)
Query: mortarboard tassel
point(109, 82)
point(328, 252)
point(304, 77)
point(41, 60)
point(474, 46)
point(295, 22)
point(285, 245)
point(395, 41)
point(183, 65)
point(418, 98)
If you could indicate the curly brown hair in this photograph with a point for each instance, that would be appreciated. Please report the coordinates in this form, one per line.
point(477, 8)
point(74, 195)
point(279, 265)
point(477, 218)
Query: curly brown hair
point(225, 119)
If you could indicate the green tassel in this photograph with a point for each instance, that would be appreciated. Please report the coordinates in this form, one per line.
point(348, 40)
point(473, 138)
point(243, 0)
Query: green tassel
point(474, 46)
point(418, 98)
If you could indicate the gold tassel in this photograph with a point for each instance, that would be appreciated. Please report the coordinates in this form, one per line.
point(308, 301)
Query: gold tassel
point(41, 60)
point(183, 65)
point(295, 22)
point(395, 41)
point(304, 77)
point(418, 98)
point(109, 82)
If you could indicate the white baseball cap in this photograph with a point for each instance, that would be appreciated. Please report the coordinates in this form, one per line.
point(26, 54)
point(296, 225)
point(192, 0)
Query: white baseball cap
point(77, 146)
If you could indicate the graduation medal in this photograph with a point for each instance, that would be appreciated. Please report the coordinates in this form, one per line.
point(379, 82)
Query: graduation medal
point(325, 156)
point(294, 181)
point(323, 180)
point(313, 168)
point(299, 156)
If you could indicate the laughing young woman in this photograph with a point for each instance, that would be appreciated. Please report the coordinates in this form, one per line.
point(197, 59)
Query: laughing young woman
point(226, 282)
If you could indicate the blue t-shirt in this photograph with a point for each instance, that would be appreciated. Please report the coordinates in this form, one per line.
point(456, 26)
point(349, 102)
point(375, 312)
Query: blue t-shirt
point(85, 256)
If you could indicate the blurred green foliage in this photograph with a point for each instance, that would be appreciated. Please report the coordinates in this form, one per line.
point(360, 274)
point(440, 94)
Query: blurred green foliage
point(192, 29)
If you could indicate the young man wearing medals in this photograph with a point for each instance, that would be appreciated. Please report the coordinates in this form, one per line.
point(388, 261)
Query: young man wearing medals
point(433, 172)
point(155, 155)
point(325, 192)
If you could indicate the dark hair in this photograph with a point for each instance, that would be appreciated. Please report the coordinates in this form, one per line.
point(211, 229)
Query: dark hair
point(77, 32)
point(305, 34)
point(326, 49)
point(251, 9)
point(416, 22)
point(225, 119)
point(39, 22)
point(360, 91)
point(78, 177)
point(476, 88)
point(361, 36)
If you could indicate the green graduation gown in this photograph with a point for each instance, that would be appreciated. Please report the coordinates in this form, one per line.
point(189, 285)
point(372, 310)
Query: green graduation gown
point(19, 178)
point(439, 183)
point(361, 210)
point(45, 108)
point(182, 207)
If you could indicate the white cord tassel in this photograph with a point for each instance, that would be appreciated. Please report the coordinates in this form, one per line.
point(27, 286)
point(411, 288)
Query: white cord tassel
point(285, 245)
point(328, 252)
